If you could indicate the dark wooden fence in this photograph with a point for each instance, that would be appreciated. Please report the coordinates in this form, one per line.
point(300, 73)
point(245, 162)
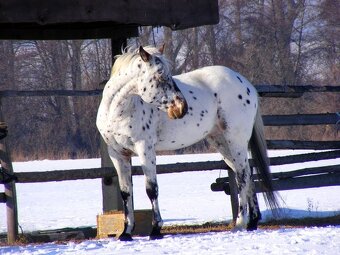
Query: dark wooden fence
point(222, 184)
point(297, 179)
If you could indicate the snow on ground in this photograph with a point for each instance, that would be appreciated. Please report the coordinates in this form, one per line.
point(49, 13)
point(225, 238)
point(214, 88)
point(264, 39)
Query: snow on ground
point(185, 198)
point(284, 241)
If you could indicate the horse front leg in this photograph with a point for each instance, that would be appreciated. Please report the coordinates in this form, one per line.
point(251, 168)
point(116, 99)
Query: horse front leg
point(147, 155)
point(123, 168)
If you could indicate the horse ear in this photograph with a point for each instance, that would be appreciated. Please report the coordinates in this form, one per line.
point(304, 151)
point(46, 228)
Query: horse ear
point(144, 55)
point(161, 49)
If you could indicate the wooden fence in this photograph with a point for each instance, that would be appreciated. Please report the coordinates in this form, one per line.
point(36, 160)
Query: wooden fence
point(107, 173)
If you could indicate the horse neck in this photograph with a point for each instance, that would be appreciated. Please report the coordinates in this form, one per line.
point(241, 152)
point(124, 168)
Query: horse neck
point(117, 95)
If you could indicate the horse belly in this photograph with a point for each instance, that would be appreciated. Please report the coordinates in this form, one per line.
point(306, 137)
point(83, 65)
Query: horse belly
point(192, 128)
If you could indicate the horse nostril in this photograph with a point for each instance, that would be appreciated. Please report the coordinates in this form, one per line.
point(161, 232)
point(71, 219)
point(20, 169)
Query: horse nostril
point(172, 101)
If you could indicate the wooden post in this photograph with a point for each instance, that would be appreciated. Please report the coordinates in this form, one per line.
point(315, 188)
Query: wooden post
point(110, 187)
point(233, 194)
point(10, 191)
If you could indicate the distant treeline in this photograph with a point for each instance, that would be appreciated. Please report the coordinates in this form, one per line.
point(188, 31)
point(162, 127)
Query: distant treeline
point(280, 42)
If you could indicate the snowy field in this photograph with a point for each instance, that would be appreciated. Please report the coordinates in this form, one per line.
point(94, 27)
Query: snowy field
point(185, 198)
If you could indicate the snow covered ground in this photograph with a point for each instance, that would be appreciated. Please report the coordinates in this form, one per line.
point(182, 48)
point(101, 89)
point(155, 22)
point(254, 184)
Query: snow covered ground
point(185, 198)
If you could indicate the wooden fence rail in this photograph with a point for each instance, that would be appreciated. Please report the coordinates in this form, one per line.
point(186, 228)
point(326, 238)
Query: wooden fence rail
point(263, 90)
point(301, 119)
point(298, 179)
point(302, 145)
point(93, 173)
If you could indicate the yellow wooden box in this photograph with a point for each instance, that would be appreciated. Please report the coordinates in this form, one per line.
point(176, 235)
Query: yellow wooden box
point(111, 224)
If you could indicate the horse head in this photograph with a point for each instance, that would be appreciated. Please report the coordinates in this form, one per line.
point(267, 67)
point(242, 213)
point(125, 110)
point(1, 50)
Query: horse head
point(156, 85)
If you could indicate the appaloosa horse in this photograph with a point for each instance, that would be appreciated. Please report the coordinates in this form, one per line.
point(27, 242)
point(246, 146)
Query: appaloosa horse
point(145, 109)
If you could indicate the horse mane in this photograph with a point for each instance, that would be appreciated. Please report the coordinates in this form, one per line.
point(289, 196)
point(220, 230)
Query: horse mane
point(131, 53)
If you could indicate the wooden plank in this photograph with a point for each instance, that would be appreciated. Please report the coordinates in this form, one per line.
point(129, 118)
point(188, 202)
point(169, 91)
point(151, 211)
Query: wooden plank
point(97, 92)
point(213, 165)
point(62, 175)
point(92, 173)
point(305, 157)
point(300, 119)
point(292, 91)
point(103, 172)
point(306, 171)
point(108, 172)
point(179, 13)
point(64, 234)
point(295, 173)
point(312, 181)
point(111, 224)
point(58, 19)
point(49, 93)
point(184, 167)
point(294, 144)
point(67, 32)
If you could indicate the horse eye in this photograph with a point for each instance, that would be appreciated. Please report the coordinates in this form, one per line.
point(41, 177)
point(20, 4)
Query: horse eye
point(157, 61)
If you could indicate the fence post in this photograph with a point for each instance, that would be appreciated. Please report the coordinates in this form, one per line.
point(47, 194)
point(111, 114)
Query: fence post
point(10, 191)
point(110, 187)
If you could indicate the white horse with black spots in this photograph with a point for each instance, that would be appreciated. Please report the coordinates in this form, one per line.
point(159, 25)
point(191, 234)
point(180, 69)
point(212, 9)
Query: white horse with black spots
point(145, 109)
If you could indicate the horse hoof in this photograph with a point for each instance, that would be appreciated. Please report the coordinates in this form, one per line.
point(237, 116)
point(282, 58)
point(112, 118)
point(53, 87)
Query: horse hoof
point(156, 237)
point(125, 237)
point(156, 234)
point(252, 224)
point(252, 227)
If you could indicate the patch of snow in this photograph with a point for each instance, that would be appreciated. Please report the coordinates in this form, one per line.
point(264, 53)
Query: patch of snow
point(185, 198)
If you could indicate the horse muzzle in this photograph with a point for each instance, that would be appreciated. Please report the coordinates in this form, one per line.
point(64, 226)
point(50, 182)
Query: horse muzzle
point(178, 108)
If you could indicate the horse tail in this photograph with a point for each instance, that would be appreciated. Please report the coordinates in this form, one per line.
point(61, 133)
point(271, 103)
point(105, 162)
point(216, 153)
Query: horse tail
point(258, 148)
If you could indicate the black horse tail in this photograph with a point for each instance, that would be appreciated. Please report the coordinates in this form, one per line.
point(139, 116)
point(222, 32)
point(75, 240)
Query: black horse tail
point(258, 148)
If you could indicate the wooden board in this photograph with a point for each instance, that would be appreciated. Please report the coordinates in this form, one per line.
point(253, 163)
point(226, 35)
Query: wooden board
point(111, 224)
point(59, 19)
point(318, 177)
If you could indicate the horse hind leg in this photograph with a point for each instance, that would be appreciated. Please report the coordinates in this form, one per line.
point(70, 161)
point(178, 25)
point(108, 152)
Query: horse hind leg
point(237, 159)
point(254, 210)
point(249, 212)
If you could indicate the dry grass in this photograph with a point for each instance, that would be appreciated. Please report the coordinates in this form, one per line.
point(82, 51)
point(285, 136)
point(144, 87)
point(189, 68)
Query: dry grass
point(202, 228)
point(270, 225)
point(192, 229)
